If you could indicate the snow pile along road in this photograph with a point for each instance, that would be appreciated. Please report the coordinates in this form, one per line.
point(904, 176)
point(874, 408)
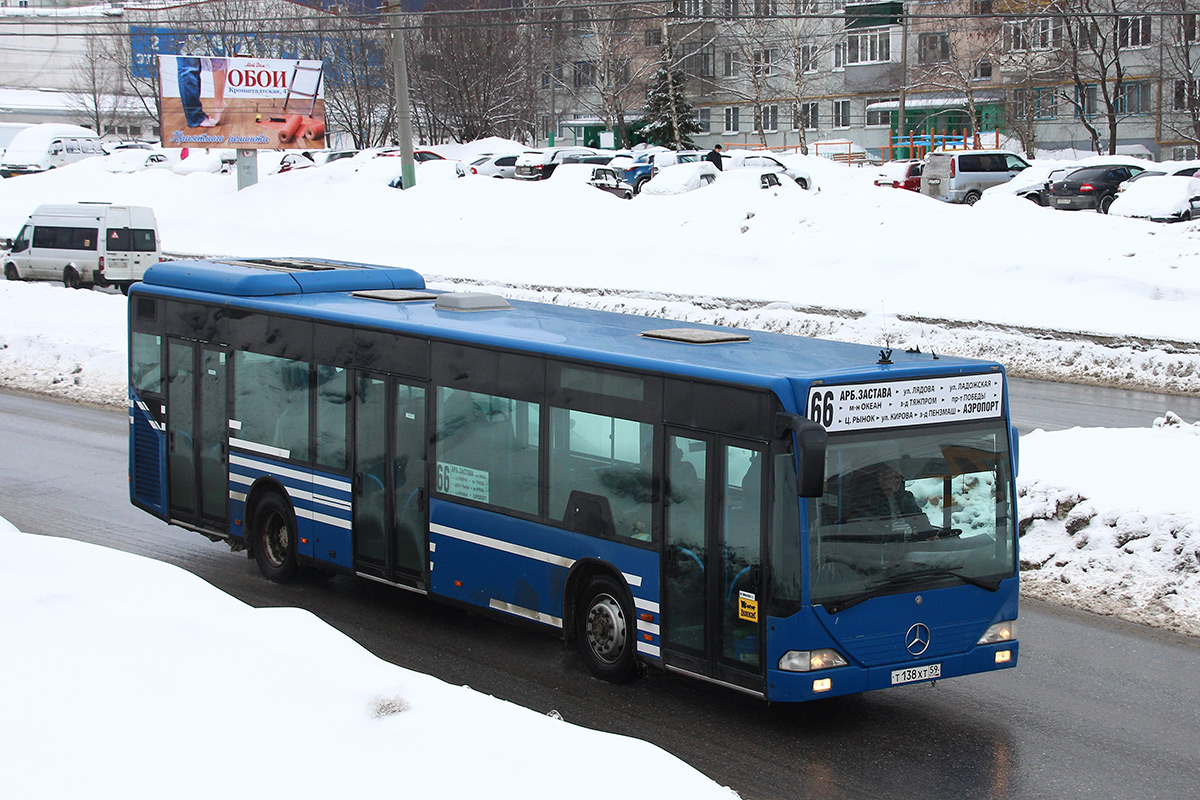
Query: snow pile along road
point(1110, 521)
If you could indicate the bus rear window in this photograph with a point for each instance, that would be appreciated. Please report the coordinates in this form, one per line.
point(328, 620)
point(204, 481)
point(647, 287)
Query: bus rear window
point(138, 240)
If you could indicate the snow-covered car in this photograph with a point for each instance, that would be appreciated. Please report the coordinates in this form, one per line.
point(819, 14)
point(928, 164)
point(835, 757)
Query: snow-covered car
point(537, 165)
point(291, 161)
point(601, 176)
point(680, 178)
point(740, 159)
point(903, 173)
point(390, 171)
point(496, 165)
point(1033, 182)
point(1162, 198)
point(133, 160)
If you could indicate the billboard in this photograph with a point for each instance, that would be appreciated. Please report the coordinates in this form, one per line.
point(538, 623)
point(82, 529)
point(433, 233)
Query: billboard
point(244, 103)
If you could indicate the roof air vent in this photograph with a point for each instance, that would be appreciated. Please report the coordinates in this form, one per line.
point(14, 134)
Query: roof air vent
point(394, 295)
point(696, 336)
point(471, 301)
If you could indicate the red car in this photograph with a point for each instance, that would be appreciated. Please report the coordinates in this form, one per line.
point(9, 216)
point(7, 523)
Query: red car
point(901, 174)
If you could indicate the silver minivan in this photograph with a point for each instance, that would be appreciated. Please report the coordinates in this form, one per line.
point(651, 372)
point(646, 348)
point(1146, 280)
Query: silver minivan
point(960, 176)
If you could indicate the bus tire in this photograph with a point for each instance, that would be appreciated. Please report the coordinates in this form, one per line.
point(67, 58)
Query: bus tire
point(971, 198)
point(605, 630)
point(274, 539)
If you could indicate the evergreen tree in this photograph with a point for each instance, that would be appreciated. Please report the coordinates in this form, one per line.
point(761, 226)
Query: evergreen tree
point(670, 119)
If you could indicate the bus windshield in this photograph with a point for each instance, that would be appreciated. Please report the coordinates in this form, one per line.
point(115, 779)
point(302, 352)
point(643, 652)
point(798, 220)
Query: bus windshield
point(923, 509)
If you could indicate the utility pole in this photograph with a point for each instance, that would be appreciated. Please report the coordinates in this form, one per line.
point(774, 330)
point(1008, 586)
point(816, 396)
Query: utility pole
point(902, 123)
point(408, 169)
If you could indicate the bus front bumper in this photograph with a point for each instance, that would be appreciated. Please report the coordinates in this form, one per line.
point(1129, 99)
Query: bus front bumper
point(794, 687)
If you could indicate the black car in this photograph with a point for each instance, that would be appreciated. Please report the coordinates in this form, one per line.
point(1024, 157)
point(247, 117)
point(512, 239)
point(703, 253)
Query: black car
point(1090, 187)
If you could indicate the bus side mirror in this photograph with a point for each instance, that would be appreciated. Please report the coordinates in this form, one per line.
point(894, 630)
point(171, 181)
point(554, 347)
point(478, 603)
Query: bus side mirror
point(811, 440)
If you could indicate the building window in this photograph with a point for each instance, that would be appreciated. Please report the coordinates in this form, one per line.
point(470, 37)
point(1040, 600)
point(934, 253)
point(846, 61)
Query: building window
point(839, 55)
point(1134, 98)
point(1035, 103)
point(807, 116)
point(933, 48)
point(983, 70)
point(1185, 31)
point(877, 117)
point(1031, 34)
point(1187, 153)
point(732, 124)
point(695, 8)
point(699, 64)
point(731, 9)
point(704, 119)
point(654, 37)
point(1085, 101)
point(807, 57)
point(869, 46)
point(763, 61)
point(841, 113)
point(981, 6)
point(1133, 32)
point(585, 74)
point(766, 8)
point(730, 68)
point(806, 6)
point(767, 119)
point(1187, 95)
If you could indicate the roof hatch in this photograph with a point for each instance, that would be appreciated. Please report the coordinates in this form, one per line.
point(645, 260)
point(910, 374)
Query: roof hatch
point(471, 301)
point(696, 336)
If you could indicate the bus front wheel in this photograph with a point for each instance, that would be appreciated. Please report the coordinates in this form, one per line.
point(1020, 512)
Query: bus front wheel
point(605, 630)
point(274, 540)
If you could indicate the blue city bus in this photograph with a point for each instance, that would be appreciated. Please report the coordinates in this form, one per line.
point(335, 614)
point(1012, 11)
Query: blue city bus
point(789, 517)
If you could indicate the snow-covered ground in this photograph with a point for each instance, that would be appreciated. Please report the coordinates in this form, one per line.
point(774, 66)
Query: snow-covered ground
point(1107, 518)
point(106, 695)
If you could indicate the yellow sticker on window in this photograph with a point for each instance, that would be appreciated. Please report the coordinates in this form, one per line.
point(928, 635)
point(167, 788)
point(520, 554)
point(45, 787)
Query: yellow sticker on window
point(747, 607)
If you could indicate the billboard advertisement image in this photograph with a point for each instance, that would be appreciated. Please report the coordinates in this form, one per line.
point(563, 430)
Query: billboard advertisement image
point(244, 103)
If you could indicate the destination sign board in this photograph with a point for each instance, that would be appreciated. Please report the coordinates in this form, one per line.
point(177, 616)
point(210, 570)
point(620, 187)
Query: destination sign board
point(892, 404)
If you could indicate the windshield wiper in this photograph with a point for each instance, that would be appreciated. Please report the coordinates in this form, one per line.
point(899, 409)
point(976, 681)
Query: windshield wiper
point(881, 587)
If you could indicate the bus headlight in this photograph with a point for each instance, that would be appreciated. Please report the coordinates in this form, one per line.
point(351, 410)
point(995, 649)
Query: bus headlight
point(809, 660)
point(1000, 632)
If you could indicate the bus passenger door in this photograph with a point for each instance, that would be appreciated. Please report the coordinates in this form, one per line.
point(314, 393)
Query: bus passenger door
point(712, 574)
point(197, 462)
point(390, 508)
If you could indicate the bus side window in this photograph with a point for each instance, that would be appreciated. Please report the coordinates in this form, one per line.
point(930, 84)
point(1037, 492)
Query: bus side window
point(604, 458)
point(486, 449)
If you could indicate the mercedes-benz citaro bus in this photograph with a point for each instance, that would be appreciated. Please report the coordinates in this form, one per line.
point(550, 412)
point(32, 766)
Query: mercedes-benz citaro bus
point(789, 517)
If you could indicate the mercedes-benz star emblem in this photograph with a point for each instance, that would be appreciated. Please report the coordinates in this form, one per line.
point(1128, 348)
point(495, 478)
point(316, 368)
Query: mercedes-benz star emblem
point(917, 639)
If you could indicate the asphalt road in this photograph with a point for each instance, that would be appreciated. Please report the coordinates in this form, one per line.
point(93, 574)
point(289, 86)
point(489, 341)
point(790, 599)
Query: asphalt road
point(1095, 709)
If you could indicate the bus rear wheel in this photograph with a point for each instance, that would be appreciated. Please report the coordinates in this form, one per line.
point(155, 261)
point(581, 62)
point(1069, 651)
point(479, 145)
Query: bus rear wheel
point(274, 539)
point(10, 272)
point(605, 630)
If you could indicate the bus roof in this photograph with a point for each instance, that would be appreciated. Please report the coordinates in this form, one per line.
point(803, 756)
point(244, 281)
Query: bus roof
point(395, 299)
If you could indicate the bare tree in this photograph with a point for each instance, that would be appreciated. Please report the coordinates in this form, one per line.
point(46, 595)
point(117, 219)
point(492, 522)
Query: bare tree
point(1180, 73)
point(469, 72)
point(96, 85)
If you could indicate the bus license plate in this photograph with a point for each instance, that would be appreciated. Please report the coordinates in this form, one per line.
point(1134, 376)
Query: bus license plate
point(925, 673)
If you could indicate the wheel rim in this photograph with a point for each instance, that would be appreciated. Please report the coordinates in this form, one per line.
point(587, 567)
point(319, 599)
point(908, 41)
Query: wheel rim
point(606, 628)
point(275, 540)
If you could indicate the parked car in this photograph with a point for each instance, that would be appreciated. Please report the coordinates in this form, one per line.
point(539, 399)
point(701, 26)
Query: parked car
point(1183, 169)
point(133, 160)
point(503, 165)
point(1162, 198)
point(596, 158)
point(537, 165)
point(643, 167)
point(961, 176)
point(419, 156)
point(291, 161)
point(1090, 188)
point(904, 173)
point(602, 177)
point(679, 178)
point(737, 159)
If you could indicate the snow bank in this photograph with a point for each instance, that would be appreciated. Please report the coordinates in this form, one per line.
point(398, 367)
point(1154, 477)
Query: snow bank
point(1110, 521)
point(158, 685)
